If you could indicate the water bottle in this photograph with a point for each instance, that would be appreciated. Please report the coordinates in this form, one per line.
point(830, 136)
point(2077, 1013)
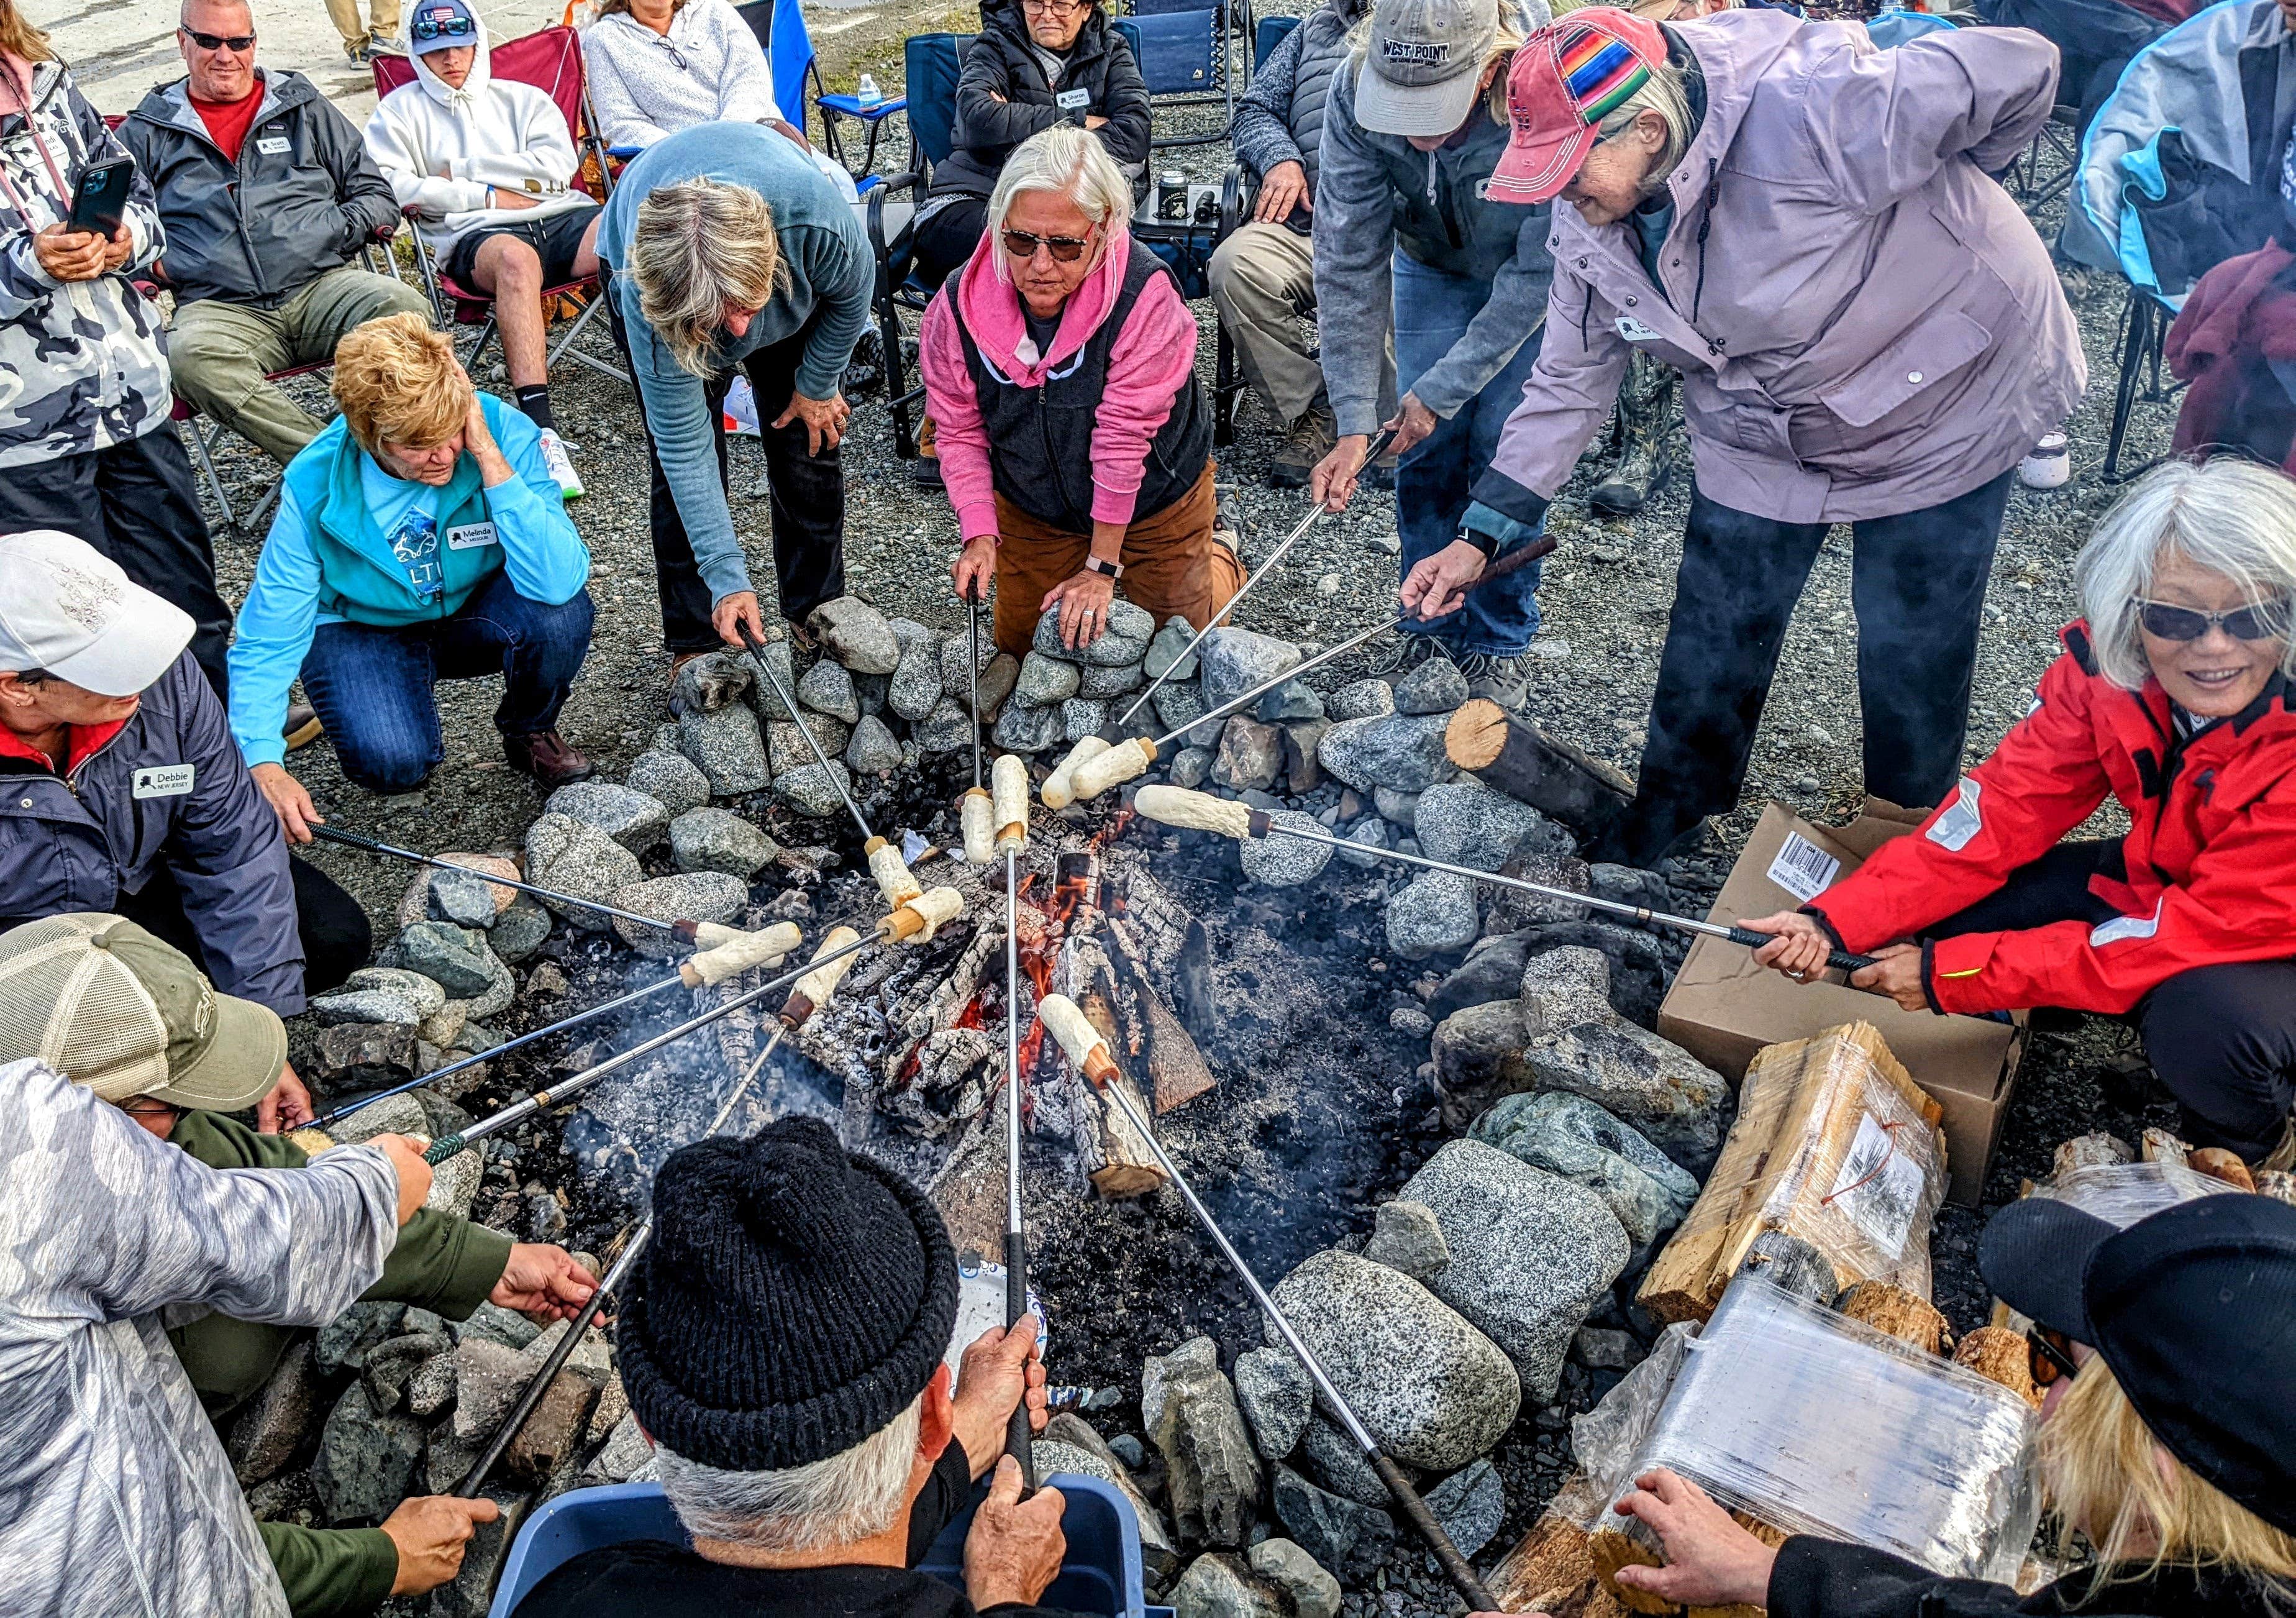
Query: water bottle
point(871, 97)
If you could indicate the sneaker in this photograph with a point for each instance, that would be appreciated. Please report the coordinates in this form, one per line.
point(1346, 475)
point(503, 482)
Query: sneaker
point(360, 51)
point(302, 727)
point(1405, 653)
point(560, 464)
point(385, 44)
point(1496, 679)
point(548, 758)
point(1312, 438)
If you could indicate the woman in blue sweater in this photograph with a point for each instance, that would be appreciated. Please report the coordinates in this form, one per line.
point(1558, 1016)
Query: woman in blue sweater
point(419, 536)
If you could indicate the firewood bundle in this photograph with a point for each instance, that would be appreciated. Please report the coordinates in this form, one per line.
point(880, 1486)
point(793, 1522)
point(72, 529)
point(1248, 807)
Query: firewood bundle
point(1834, 1145)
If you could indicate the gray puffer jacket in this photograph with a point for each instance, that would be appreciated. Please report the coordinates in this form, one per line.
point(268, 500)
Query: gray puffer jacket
point(82, 367)
point(302, 199)
point(1280, 117)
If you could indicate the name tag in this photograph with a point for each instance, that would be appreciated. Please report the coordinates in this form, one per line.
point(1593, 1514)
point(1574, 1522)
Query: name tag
point(271, 146)
point(1635, 330)
point(1070, 101)
point(163, 781)
point(471, 537)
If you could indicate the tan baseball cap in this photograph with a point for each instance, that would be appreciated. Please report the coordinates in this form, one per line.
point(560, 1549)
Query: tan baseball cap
point(108, 1005)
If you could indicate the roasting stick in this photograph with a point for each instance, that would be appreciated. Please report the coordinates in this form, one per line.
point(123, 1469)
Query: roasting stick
point(1012, 810)
point(1088, 1050)
point(812, 992)
point(885, 861)
point(1315, 513)
point(1201, 811)
point(978, 814)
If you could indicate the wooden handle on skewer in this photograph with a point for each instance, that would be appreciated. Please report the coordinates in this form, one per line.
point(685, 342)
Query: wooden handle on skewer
point(916, 921)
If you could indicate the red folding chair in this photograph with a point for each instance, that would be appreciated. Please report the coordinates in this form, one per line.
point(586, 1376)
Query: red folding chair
point(549, 59)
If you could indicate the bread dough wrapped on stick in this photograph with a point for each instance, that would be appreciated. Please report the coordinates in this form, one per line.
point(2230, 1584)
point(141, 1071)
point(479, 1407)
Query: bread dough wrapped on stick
point(814, 988)
point(891, 872)
point(728, 951)
point(915, 921)
point(1010, 776)
point(1058, 792)
point(1125, 761)
point(1084, 1043)
point(1192, 811)
point(978, 816)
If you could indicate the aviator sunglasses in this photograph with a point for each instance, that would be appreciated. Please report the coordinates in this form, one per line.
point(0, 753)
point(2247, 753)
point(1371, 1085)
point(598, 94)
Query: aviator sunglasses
point(2262, 620)
point(1068, 250)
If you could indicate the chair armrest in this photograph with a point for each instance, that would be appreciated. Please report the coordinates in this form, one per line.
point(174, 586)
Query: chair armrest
point(623, 154)
point(387, 229)
point(1238, 189)
point(912, 183)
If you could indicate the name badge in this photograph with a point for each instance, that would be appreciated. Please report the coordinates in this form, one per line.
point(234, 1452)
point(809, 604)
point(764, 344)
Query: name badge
point(471, 537)
point(271, 146)
point(163, 781)
point(1071, 100)
point(1635, 330)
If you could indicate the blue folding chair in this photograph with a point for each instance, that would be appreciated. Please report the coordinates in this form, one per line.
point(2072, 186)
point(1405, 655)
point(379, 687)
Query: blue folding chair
point(781, 32)
point(930, 64)
point(1187, 51)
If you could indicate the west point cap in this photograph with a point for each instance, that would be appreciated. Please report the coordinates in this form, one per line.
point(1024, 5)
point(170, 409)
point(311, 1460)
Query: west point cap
point(108, 1005)
point(69, 609)
point(1423, 64)
point(1566, 79)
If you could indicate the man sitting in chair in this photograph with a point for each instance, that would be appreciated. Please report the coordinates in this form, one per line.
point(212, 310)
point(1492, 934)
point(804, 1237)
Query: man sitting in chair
point(785, 1355)
point(489, 165)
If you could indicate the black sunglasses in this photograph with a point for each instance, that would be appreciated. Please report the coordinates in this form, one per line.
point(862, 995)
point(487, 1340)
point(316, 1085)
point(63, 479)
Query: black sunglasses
point(2048, 1355)
point(2263, 620)
point(453, 28)
point(220, 42)
point(1068, 250)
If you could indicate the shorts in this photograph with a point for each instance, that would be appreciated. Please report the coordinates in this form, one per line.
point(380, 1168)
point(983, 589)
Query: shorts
point(554, 240)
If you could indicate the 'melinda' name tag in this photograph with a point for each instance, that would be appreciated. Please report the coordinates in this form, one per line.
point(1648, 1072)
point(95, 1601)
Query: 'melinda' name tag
point(1635, 330)
point(471, 537)
point(163, 781)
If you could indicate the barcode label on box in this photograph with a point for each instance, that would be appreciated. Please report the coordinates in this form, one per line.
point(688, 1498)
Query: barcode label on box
point(1879, 1188)
point(1802, 868)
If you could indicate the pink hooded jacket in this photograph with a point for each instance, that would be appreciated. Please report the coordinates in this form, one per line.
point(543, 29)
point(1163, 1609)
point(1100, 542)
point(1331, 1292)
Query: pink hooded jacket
point(1866, 323)
point(1153, 358)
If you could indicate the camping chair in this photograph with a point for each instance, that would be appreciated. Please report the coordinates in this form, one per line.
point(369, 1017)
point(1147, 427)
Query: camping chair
point(931, 63)
point(1238, 190)
point(1184, 51)
point(1101, 1574)
point(2178, 172)
point(781, 33)
point(549, 59)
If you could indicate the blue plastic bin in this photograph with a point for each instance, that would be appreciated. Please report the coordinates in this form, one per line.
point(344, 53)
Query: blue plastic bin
point(1100, 1575)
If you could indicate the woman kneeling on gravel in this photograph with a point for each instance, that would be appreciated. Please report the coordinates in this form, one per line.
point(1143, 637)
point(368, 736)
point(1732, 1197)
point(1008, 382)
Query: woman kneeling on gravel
point(2172, 696)
point(2176, 1467)
point(1060, 366)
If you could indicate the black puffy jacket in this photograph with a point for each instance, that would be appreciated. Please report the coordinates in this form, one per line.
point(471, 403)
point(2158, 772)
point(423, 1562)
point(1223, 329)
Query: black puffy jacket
point(1818, 1578)
point(1000, 63)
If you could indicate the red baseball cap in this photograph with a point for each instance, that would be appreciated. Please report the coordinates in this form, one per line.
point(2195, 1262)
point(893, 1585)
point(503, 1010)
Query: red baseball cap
point(1566, 79)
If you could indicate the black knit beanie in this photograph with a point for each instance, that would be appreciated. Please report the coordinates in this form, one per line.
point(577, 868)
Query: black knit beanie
point(795, 1298)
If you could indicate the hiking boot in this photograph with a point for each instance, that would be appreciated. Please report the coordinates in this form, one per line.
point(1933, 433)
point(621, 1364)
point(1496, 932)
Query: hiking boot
point(1312, 437)
point(1405, 653)
point(1494, 678)
point(1645, 445)
point(548, 758)
point(1228, 519)
point(302, 727)
point(560, 463)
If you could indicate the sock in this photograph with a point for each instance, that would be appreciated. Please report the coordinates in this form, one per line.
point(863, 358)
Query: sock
point(536, 402)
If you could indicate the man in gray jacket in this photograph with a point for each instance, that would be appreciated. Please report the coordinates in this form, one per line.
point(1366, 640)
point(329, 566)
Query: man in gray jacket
point(1263, 275)
point(267, 196)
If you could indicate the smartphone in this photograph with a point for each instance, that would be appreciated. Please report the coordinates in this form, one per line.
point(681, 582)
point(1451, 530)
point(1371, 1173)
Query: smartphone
point(100, 199)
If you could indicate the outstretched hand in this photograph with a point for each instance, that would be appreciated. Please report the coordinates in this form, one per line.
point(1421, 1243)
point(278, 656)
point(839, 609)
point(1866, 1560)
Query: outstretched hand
point(1710, 1561)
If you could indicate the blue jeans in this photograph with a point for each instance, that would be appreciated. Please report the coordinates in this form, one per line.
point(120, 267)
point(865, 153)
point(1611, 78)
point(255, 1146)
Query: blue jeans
point(372, 685)
point(1433, 479)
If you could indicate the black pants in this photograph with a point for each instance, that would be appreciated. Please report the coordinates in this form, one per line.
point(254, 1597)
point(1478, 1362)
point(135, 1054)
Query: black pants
point(947, 236)
point(2223, 1038)
point(807, 495)
point(1917, 582)
point(136, 504)
point(336, 934)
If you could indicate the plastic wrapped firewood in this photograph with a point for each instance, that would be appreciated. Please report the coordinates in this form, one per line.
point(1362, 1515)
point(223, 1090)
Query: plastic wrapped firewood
point(2277, 1184)
point(2092, 1151)
point(2157, 1146)
point(2217, 1163)
point(1913, 1320)
point(2122, 1193)
point(2000, 1355)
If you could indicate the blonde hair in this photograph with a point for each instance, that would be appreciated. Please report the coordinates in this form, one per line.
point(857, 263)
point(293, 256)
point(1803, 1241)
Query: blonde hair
point(1071, 162)
point(2142, 1509)
point(19, 37)
point(397, 383)
point(702, 247)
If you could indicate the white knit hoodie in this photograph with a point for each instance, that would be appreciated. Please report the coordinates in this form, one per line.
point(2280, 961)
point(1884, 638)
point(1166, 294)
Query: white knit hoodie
point(441, 149)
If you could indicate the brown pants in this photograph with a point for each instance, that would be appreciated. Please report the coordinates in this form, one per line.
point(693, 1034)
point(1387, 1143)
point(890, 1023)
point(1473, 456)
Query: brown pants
point(1172, 564)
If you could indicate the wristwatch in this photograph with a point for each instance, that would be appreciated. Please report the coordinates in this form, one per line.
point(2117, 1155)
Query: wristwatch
point(1111, 569)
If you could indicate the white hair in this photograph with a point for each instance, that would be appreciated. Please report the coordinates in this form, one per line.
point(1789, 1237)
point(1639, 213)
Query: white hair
point(2230, 516)
point(1662, 93)
point(851, 1496)
point(1070, 162)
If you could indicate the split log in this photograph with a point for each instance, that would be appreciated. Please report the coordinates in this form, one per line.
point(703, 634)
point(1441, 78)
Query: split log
point(2000, 1355)
point(1552, 1569)
point(2160, 1146)
point(1118, 1160)
point(2093, 1151)
point(2277, 1184)
point(1176, 1069)
point(1554, 778)
point(2217, 1163)
point(1892, 1310)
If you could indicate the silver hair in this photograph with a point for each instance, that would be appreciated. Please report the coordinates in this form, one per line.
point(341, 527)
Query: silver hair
point(702, 247)
point(1071, 162)
point(1662, 95)
point(851, 1496)
point(2230, 516)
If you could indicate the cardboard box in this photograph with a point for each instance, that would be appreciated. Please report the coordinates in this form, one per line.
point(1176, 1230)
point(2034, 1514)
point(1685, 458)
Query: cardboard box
point(1723, 1007)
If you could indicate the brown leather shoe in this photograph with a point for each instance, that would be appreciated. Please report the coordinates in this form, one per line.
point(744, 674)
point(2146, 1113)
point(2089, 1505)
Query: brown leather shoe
point(548, 758)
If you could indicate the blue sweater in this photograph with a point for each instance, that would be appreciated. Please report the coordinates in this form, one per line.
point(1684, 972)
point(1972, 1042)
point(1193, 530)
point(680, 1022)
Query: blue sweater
point(295, 591)
point(828, 270)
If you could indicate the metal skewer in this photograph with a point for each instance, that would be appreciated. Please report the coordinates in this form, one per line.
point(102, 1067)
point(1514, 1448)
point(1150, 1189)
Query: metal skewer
point(1289, 675)
point(1012, 837)
point(972, 667)
point(685, 932)
point(1315, 514)
point(789, 705)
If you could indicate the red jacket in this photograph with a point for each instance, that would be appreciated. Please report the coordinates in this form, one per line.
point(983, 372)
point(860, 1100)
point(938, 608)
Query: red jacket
point(2211, 854)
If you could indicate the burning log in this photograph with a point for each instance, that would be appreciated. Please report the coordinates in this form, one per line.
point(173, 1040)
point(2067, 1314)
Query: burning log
point(1519, 759)
point(1177, 1073)
point(1118, 1160)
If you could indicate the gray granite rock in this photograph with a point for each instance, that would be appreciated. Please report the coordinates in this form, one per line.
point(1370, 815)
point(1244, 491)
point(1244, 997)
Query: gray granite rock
point(872, 750)
point(1191, 767)
point(953, 647)
point(431, 1389)
point(856, 634)
point(1403, 751)
point(1021, 728)
point(1081, 717)
point(1434, 1391)
point(765, 696)
point(1219, 1584)
point(711, 681)
point(814, 790)
point(519, 931)
point(1103, 683)
point(1308, 1591)
point(1046, 681)
point(390, 1365)
point(463, 897)
point(455, 958)
point(1568, 1135)
point(947, 728)
point(1211, 1470)
point(1347, 1540)
point(423, 994)
point(1371, 833)
point(271, 1427)
point(1281, 861)
point(491, 1323)
point(634, 819)
point(1437, 685)
point(1250, 754)
point(1470, 1504)
point(1124, 640)
point(1081, 1448)
point(827, 687)
point(583, 862)
point(1530, 1252)
point(1434, 915)
point(1599, 1348)
point(1361, 700)
point(917, 682)
point(1165, 649)
point(366, 1460)
point(719, 840)
point(696, 896)
point(1273, 1392)
point(787, 747)
point(1292, 700)
point(728, 747)
point(454, 1183)
point(1398, 810)
point(670, 779)
point(1231, 662)
point(488, 1378)
point(1408, 1236)
point(1179, 703)
point(1466, 823)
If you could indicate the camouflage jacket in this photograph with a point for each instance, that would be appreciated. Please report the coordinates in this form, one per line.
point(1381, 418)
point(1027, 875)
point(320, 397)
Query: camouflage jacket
point(82, 367)
point(116, 1498)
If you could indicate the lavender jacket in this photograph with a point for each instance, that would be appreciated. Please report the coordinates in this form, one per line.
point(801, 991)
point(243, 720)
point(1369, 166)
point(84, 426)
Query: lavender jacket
point(1868, 324)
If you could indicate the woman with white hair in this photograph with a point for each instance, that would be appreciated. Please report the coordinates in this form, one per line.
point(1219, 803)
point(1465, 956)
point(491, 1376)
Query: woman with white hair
point(1060, 365)
point(2172, 696)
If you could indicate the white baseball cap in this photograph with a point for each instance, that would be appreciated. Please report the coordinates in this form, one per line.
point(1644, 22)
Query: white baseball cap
point(68, 608)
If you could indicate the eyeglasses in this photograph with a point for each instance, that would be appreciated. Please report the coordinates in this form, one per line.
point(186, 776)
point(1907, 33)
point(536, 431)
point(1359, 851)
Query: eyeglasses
point(1068, 250)
point(2048, 1355)
point(1054, 8)
point(220, 42)
point(675, 55)
point(2260, 620)
point(427, 29)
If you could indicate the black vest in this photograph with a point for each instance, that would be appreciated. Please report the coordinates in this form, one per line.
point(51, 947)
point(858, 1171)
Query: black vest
point(1040, 438)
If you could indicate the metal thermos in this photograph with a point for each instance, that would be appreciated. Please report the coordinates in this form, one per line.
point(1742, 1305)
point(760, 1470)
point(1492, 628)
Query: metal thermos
point(1172, 197)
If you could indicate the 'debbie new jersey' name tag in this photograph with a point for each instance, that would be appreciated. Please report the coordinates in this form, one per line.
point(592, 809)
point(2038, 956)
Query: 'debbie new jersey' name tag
point(471, 537)
point(163, 781)
point(1635, 330)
